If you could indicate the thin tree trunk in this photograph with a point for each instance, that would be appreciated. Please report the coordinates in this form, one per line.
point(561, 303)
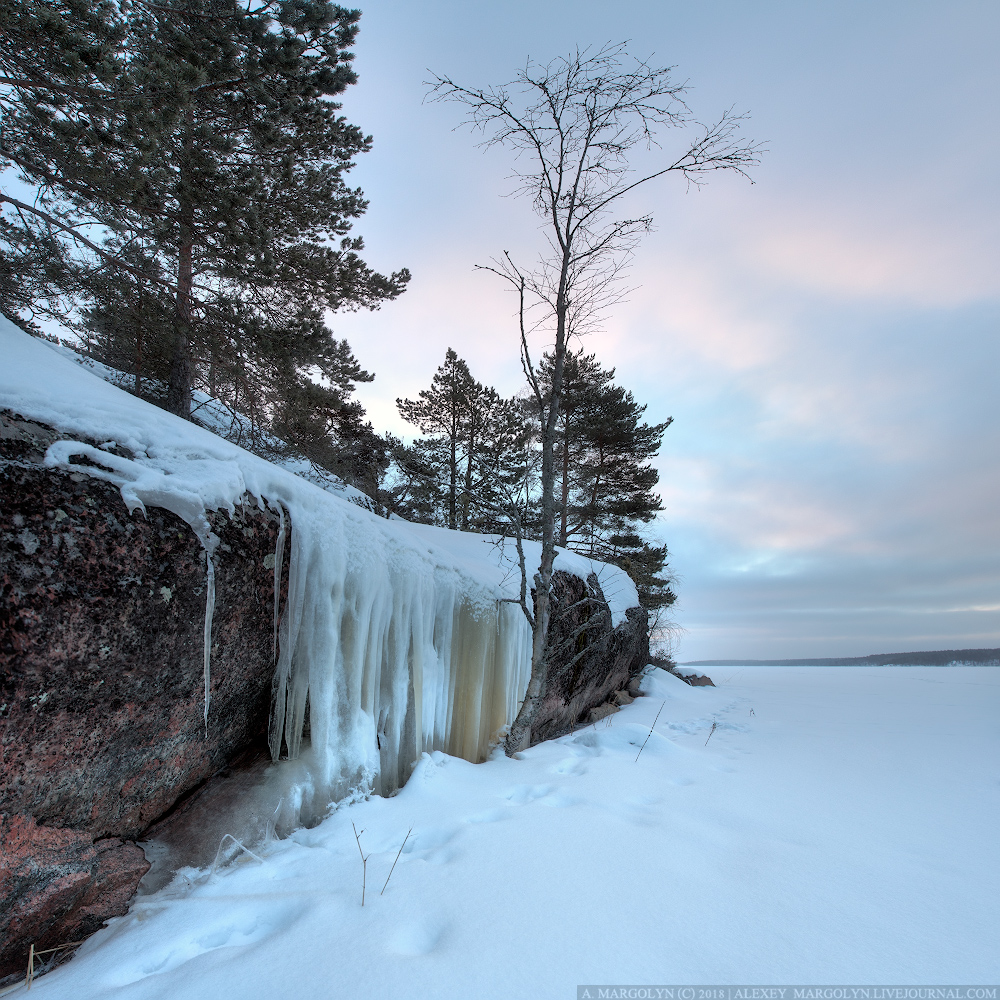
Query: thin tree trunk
point(179, 384)
point(179, 387)
point(468, 476)
point(453, 469)
point(138, 344)
point(519, 736)
point(563, 532)
point(593, 496)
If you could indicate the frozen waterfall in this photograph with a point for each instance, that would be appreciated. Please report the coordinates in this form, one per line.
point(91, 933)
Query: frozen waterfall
point(394, 656)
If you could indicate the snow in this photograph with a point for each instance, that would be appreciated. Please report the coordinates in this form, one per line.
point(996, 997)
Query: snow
point(683, 671)
point(222, 421)
point(839, 827)
point(397, 635)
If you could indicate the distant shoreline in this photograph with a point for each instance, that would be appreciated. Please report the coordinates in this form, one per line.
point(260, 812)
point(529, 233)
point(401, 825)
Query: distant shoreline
point(924, 658)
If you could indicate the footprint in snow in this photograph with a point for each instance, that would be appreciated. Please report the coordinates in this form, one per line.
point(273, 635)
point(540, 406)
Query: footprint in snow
point(232, 931)
point(522, 794)
point(545, 795)
point(587, 744)
point(432, 844)
point(490, 816)
point(559, 800)
point(570, 765)
point(641, 810)
point(417, 937)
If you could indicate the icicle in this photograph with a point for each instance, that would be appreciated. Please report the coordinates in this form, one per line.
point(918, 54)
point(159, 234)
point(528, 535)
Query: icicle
point(288, 637)
point(391, 647)
point(209, 612)
point(279, 554)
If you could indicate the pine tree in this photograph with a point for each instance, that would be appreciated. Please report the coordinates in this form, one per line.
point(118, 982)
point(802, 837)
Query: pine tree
point(467, 469)
point(59, 62)
point(416, 492)
point(203, 129)
point(646, 565)
point(499, 463)
point(603, 453)
point(320, 420)
point(441, 413)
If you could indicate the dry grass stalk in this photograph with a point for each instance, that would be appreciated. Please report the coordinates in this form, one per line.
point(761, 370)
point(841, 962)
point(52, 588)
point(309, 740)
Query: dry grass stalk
point(393, 868)
point(650, 733)
point(364, 861)
point(29, 977)
point(712, 730)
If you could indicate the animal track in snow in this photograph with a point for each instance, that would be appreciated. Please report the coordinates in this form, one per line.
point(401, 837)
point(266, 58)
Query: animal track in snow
point(570, 765)
point(559, 800)
point(489, 816)
point(641, 809)
point(432, 843)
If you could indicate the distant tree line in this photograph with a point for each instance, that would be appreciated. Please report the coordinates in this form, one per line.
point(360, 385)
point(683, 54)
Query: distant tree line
point(920, 658)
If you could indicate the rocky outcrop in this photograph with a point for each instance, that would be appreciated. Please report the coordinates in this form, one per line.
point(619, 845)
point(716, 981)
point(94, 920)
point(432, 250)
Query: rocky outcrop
point(691, 677)
point(59, 885)
point(591, 663)
point(101, 685)
point(101, 681)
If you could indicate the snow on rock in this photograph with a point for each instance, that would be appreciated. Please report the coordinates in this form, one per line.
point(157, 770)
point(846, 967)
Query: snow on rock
point(690, 676)
point(394, 635)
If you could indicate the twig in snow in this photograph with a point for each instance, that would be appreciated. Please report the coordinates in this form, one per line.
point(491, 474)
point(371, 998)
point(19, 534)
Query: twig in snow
point(393, 868)
point(712, 730)
point(364, 862)
point(646, 740)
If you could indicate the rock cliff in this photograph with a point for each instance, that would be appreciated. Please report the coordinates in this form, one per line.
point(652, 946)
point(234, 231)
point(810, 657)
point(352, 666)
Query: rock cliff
point(101, 684)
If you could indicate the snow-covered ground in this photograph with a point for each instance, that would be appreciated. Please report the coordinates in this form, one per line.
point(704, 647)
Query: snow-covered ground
point(840, 826)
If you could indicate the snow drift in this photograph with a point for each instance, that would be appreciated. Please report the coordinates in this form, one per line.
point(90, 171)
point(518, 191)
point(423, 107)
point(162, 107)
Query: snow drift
point(395, 638)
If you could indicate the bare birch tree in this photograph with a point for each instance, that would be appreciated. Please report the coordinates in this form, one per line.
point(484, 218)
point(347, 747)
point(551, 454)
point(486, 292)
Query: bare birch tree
point(572, 124)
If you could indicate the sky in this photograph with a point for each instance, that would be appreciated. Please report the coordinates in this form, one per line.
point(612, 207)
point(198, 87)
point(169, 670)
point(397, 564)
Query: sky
point(825, 338)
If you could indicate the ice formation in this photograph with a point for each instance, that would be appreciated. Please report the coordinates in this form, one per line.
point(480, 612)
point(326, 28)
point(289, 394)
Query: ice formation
point(395, 638)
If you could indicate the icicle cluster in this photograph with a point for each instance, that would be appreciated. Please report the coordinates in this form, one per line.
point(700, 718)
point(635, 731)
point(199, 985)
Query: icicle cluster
point(393, 656)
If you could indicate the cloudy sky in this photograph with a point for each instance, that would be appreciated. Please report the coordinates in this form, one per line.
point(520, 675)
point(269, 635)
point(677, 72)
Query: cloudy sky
point(826, 338)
